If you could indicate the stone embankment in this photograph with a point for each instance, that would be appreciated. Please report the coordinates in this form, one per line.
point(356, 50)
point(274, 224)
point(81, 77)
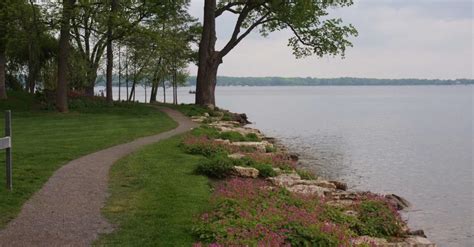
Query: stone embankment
point(333, 192)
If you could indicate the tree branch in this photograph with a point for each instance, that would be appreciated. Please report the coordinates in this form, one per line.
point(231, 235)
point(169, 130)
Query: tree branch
point(228, 7)
point(235, 39)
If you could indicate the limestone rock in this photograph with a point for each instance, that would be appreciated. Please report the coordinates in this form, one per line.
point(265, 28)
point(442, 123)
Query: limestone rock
point(260, 146)
point(308, 190)
point(398, 201)
point(417, 241)
point(339, 185)
point(246, 172)
point(236, 156)
point(369, 240)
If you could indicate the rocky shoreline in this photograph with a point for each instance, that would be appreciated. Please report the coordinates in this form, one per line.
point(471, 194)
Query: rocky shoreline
point(334, 193)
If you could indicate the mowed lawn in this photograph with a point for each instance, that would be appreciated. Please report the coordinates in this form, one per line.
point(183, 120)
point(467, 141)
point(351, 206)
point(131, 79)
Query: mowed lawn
point(43, 141)
point(155, 197)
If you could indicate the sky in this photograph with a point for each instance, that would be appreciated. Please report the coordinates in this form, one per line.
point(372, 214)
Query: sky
point(431, 39)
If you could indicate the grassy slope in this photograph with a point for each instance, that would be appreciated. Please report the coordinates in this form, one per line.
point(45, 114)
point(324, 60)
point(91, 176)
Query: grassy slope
point(155, 196)
point(44, 141)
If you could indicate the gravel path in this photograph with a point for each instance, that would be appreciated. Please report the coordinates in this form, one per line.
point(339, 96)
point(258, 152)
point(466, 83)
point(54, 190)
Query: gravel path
point(66, 211)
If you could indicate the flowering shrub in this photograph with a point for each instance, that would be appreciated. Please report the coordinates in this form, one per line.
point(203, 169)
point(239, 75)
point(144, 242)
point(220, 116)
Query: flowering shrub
point(204, 146)
point(249, 212)
point(378, 218)
point(276, 159)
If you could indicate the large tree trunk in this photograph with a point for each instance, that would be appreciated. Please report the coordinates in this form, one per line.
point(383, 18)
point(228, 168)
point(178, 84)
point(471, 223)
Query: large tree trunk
point(164, 92)
point(91, 78)
point(63, 55)
point(110, 54)
point(3, 61)
point(209, 59)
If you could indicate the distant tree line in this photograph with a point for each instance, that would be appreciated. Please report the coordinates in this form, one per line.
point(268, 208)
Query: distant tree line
point(311, 81)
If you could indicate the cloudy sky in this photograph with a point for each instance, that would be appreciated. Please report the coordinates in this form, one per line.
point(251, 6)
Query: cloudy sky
point(397, 39)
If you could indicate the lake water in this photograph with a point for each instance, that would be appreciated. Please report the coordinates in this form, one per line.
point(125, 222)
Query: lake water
point(414, 141)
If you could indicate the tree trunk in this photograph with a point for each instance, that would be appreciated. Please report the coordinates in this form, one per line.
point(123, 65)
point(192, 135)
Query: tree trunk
point(120, 75)
point(63, 56)
point(126, 75)
point(209, 59)
point(110, 54)
point(164, 92)
point(3, 61)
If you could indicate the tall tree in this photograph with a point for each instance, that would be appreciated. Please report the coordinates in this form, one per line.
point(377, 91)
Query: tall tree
point(110, 51)
point(313, 32)
point(63, 56)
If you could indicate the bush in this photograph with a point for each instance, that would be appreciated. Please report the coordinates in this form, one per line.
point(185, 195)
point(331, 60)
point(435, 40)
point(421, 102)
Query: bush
point(378, 219)
point(232, 136)
point(264, 170)
point(270, 149)
point(203, 146)
point(207, 131)
point(244, 212)
point(216, 167)
point(305, 174)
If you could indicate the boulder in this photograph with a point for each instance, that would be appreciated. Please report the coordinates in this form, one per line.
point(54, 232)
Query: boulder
point(417, 241)
point(259, 146)
point(246, 172)
point(236, 156)
point(369, 240)
point(339, 185)
point(324, 184)
point(308, 190)
point(293, 156)
point(419, 233)
point(398, 201)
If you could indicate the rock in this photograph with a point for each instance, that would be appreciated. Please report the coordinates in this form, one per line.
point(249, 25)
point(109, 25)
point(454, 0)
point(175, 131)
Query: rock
point(293, 156)
point(293, 183)
point(339, 185)
point(418, 241)
point(246, 172)
point(325, 184)
point(241, 118)
point(419, 233)
point(351, 213)
point(236, 156)
point(308, 190)
point(260, 146)
point(206, 114)
point(369, 240)
point(285, 180)
point(211, 107)
point(398, 201)
point(198, 119)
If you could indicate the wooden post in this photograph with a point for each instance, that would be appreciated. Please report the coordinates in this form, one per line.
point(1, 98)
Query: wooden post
point(8, 154)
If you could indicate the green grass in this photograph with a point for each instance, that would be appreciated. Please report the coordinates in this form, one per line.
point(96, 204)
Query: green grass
point(43, 141)
point(155, 196)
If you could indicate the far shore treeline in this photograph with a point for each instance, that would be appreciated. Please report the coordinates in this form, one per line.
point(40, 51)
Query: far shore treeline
point(312, 81)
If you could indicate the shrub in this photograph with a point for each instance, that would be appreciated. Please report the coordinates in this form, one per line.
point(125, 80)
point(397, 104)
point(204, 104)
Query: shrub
point(305, 174)
point(232, 136)
point(270, 149)
point(203, 146)
point(252, 137)
point(264, 170)
point(244, 212)
point(206, 131)
point(277, 160)
point(378, 218)
point(216, 167)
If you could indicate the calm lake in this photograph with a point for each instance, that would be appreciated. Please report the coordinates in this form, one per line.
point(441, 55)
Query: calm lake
point(414, 141)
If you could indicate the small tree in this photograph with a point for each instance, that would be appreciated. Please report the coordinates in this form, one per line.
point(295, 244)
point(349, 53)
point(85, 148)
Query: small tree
point(313, 32)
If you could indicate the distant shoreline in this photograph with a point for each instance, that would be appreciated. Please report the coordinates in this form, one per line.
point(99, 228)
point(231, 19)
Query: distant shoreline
point(310, 81)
